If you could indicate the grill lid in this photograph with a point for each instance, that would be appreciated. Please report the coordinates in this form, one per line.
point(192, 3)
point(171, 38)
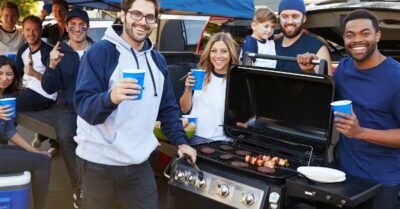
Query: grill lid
point(283, 107)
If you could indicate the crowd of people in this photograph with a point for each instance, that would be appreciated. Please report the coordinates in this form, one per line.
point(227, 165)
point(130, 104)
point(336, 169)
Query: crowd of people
point(106, 155)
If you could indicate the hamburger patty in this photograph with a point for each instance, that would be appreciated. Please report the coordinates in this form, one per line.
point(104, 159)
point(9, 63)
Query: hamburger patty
point(239, 164)
point(226, 147)
point(226, 156)
point(207, 150)
point(243, 152)
point(263, 169)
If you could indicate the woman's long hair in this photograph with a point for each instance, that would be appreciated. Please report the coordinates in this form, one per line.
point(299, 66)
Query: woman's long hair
point(205, 61)
point(16, 84)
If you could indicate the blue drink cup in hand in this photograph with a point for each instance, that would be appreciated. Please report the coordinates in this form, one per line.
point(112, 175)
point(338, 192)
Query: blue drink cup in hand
point(11, 56)
point(11, 102)
point(343, 106)
point(191, 118)
point(138, 75)
point(199, 76)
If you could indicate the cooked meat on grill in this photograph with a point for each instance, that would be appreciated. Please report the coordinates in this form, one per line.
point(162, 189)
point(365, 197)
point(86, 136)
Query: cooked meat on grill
point(207, 150)
point(243, 152)
point(226, 147)
point(265, 169)
point(242, 125)
point(226, 156)
point(239, 164)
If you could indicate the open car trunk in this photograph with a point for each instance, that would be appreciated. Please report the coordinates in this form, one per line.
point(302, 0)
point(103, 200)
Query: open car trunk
point(326, 20)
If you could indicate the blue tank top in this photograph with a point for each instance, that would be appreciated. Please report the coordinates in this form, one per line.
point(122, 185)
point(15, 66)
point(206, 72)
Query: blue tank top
point(305, 43)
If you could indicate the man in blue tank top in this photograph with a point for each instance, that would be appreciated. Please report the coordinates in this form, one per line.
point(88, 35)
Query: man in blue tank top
point(292, 16)
point(370, 138)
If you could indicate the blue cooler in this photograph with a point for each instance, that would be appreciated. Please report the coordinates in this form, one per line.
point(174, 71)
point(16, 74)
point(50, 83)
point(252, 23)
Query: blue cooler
point(15, 190)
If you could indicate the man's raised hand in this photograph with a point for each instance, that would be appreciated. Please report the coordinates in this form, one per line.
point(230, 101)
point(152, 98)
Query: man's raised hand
point(55, 56)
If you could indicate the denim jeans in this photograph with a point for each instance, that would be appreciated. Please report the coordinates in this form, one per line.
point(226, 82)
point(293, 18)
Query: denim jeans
point(29, 100)
point(13, 159)
point(65, 131)
point(134, 186)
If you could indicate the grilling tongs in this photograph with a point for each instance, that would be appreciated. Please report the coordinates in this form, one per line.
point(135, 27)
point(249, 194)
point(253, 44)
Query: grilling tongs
point(199, 172)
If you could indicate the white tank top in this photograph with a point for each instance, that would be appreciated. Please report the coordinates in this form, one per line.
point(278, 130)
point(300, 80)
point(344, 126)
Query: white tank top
point(209, 107)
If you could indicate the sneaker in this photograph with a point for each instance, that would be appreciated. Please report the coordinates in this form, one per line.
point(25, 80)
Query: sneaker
point(36, 142)
point(78, 195)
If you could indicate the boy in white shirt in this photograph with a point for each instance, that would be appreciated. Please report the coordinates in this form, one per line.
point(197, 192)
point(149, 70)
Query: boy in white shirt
point(260, 41)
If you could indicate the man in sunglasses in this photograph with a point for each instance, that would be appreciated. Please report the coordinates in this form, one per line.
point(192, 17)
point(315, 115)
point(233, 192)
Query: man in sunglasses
point(115, 128)
point(60, 76)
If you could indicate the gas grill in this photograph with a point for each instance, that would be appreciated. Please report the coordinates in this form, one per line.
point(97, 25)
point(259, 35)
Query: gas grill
point(267, 112)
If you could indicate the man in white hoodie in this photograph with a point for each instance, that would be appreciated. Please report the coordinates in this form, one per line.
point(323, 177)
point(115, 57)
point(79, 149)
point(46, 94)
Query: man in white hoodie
point(115, 130)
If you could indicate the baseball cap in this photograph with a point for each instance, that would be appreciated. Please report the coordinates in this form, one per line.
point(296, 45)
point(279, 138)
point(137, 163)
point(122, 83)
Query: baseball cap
point(78, 13)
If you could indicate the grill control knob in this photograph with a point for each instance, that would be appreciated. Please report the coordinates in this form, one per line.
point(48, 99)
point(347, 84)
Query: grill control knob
point(248, 199)
point(223, 190)
point(191, 179)
point(179, 176)
point(202, 183)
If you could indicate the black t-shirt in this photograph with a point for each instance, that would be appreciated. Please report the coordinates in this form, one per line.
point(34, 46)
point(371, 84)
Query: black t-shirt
point(52, 33)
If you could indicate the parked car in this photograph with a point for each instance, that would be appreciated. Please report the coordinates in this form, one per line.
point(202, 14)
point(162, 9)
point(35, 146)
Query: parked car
point(324, 21)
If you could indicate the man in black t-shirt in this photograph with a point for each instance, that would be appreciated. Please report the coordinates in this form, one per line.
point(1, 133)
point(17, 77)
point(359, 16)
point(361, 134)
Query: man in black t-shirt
point(57, 32)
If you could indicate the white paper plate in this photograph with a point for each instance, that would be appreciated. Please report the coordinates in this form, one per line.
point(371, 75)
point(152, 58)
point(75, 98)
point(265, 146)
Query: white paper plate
point(322, 173)
point(328, 180)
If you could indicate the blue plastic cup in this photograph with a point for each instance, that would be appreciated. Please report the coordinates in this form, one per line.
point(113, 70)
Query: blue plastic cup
point(199, 76)
point(191, 118)
point(11, 56)
point(343, 106)
point(138, 75)
point(9, 101)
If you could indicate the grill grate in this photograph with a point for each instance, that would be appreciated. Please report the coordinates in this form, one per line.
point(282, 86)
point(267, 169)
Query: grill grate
point(279, 174)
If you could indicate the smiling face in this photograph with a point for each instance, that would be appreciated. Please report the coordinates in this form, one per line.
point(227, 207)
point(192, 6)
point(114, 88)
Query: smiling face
point(6, 77)
point(9, 18)
point(32, 32)
point(59, 12)
point(77, 29)
point(262, 31)
point(136, 31)
point(360, 39)
point(291, 22)
point(220, 57)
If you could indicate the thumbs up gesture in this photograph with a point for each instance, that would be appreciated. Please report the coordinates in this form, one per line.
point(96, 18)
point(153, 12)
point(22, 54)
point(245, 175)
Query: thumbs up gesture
point(55, 56)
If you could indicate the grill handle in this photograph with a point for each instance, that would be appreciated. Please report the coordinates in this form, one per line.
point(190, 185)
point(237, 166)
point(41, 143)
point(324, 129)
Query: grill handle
point(167, 170)
point(248, 61)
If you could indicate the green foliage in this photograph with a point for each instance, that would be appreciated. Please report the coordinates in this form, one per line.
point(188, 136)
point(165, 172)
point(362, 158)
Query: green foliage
point(26, 7)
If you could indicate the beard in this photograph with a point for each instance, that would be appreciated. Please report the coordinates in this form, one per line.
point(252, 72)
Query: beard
point(137, 38)
point(360, 58)
point(295, 33)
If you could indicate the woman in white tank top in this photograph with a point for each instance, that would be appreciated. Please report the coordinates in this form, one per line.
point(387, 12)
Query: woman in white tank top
point(208, 104)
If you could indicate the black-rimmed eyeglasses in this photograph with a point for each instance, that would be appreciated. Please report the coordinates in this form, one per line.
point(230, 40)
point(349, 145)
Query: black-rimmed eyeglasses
point(138, 16)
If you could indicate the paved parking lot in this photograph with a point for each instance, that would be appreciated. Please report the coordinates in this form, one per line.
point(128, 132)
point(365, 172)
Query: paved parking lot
point(60, 193)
